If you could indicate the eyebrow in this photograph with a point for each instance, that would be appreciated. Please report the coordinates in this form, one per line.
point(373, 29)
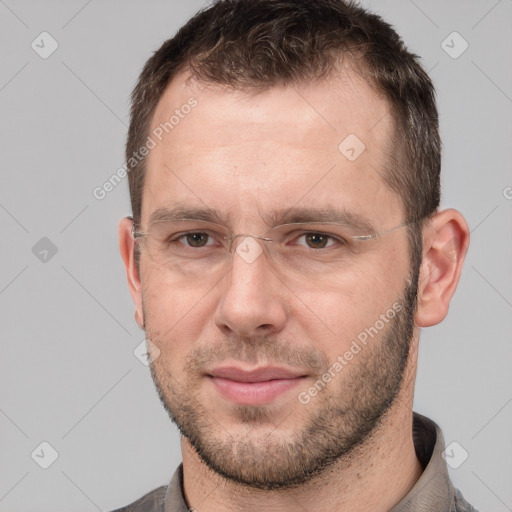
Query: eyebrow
point(311, 215)
point(186, 213)
point(293, 215)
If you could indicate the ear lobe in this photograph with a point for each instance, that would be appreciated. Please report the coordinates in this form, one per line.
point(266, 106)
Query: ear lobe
point(446, 241)
point(139, 319)
point(127, 250)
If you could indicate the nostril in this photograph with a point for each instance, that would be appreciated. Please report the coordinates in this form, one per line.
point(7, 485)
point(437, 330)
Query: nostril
point(265, 327)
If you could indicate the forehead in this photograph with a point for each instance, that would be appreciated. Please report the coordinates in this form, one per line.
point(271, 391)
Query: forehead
point(323, 142)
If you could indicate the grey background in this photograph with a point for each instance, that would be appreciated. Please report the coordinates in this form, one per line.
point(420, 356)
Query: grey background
point(68, 375)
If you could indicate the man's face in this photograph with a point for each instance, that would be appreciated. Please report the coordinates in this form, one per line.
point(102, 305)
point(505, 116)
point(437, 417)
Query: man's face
point(250, 158)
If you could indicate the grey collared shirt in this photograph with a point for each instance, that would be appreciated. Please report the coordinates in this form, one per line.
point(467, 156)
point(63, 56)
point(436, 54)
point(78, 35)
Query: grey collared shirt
point(433, 492)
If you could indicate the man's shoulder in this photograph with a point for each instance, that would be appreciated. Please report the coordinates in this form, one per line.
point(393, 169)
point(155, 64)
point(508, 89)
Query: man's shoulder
point(153, 501)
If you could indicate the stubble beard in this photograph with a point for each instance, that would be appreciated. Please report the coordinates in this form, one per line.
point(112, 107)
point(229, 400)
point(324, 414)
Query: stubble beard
point(334, 423)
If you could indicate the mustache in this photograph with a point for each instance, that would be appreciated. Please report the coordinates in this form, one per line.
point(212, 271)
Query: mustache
point(261, 351)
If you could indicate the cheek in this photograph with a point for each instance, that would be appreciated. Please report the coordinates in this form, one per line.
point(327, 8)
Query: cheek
point(175, 315)
point(334, 316)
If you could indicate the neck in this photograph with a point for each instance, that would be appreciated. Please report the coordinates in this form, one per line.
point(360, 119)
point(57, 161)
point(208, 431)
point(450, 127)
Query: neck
point(375, 476)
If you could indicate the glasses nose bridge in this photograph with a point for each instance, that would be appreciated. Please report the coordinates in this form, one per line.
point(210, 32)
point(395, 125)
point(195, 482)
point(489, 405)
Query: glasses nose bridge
point(231, 239)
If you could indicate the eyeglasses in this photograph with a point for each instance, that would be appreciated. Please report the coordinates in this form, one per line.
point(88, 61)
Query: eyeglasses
point(199, 249)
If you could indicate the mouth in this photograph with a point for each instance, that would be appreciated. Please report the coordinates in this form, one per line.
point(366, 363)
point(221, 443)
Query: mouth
point(259, 386)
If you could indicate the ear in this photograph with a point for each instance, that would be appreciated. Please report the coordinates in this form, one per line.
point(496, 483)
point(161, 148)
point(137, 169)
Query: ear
point(445, 244)
point(127, 249)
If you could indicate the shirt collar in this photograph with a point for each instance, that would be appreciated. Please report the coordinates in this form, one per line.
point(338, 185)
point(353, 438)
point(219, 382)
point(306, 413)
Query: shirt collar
point(433, 490)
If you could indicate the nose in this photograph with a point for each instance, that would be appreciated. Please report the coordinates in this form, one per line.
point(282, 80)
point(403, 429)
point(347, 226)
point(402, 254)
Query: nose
point(252, 301)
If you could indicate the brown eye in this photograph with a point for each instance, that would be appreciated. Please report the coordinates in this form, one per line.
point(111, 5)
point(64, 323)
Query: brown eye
point(316, 240)
point(197, 239)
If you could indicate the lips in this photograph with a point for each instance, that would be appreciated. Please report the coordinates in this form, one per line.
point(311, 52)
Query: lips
point(254, 387)
point(256, 375)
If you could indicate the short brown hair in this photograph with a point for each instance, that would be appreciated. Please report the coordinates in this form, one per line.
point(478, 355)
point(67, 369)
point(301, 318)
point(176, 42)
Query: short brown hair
point(256, 44)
